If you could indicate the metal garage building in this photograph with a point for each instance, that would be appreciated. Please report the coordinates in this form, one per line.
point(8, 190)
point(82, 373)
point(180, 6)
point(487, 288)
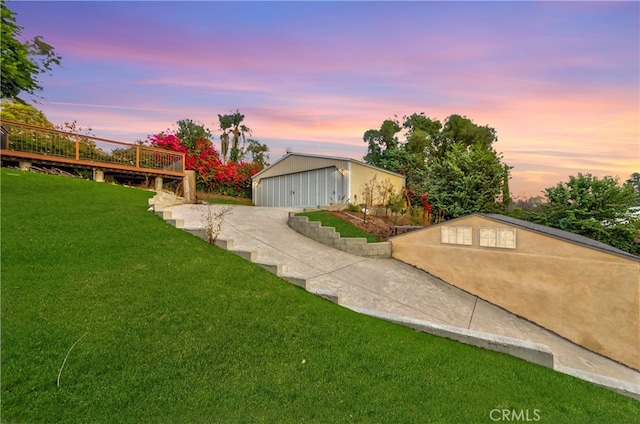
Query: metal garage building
point(302, 180)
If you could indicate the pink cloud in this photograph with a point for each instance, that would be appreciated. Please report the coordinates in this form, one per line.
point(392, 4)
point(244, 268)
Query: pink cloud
point(563, 97)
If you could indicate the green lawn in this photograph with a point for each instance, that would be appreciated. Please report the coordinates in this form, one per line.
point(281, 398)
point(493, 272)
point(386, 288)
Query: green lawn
point(168, 329)
point(343, 227)
point(213, 198)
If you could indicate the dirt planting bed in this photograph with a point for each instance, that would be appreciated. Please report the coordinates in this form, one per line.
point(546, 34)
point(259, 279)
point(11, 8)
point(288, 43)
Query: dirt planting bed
point(374, 225)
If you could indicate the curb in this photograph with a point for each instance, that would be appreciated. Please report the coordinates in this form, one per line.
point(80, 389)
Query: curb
point(536, 353)
point(529, 351)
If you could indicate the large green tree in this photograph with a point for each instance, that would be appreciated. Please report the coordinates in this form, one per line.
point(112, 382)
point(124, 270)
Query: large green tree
point(592, 207)
point(21, 62)
point(454, 163)
point(381, 141)
point(467, 179)
point(423, 134)
point(462, 130)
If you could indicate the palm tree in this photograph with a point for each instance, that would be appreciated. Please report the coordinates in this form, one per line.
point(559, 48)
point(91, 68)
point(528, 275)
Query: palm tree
point(232, 130)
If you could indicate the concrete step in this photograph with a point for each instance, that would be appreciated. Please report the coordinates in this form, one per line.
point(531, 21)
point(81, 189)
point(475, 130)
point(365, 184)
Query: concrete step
point(272, 268)
point(295, 280)
point(250, 256)
point(178, 223)
point(164, 214)
point(330, 295)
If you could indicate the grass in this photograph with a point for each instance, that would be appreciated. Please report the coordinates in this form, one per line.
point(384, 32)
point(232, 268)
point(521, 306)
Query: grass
point(223, 200)
point(343, 227)
point(168, 329)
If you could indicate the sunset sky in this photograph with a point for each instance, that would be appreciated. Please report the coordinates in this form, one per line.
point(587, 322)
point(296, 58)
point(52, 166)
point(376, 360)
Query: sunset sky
point(559, 81)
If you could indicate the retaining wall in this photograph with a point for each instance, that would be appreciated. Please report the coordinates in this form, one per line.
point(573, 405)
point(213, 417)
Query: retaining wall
point(329, 237)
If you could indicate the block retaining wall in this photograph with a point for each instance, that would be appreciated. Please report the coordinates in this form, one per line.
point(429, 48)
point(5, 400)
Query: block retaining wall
point(329, 237)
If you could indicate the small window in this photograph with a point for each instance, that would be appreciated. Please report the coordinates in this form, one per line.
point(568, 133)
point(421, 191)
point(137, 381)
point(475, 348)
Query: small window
point(456, 235)
point(504, 238)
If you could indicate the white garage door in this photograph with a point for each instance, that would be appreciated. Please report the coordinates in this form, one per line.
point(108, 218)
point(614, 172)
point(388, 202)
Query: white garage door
point(319, 187)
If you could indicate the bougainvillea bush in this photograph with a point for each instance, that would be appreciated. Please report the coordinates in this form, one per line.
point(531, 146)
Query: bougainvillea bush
point(212, 176)
point(231, 179)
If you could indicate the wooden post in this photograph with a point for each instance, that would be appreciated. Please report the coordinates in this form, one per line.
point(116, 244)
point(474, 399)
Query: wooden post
point(189, 186)
point(137, 156)
point(77, 147)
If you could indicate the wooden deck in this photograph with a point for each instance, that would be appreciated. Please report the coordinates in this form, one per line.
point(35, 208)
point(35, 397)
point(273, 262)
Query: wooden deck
point(27, 143)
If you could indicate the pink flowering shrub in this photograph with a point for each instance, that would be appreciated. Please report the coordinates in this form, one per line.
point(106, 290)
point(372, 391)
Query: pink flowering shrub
point(212, 176)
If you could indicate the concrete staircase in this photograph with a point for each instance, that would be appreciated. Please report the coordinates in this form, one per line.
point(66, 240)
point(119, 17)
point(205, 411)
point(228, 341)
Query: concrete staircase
point(251, 256)
point(163, 200)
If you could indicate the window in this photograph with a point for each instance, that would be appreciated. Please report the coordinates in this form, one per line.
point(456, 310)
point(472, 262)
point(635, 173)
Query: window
point(504, 238)
point(456, 235)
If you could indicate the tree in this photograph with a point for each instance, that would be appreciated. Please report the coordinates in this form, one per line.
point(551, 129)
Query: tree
point(592, 207)
point(232, 131)
point(382, 140)
point(411, 165)
point(634, 181)
point(454, 163)
point(259, 153)
point(466, 179)
point(74, 128)
point(462, 130)
point(422, 133)
point(520, 207)
point(190, 132)
point(23, 113)
point(21, 63)
point(506, 194)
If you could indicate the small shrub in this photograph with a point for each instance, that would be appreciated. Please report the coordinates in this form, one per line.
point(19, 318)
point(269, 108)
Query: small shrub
point(212, 221)
point(352, 207)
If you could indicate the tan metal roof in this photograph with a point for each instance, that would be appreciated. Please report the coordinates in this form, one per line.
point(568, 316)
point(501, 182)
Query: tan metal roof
point(298, 162)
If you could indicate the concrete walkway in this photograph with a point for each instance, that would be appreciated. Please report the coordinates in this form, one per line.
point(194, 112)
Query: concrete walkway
point(388, 286)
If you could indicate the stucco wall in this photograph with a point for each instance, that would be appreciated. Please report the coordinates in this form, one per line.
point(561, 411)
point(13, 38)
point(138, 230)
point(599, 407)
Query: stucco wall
point(360, 174)
point(588, 296)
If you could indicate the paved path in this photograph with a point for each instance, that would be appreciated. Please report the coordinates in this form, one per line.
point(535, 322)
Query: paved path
point(387, 285)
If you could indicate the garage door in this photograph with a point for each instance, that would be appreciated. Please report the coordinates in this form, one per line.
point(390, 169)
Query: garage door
point(319, 187)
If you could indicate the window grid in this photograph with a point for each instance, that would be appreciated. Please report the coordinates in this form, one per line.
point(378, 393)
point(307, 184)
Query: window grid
point(504, 238)
point(456, 235)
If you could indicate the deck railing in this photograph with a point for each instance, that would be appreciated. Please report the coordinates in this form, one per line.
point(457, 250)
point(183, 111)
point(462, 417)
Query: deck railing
point(38, 143)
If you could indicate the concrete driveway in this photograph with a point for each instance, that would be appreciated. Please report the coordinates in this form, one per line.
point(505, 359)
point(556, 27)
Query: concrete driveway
point(388, 286)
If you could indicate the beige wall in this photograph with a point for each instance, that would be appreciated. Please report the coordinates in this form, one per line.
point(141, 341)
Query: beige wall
point(361, 174)
point(588, 296)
